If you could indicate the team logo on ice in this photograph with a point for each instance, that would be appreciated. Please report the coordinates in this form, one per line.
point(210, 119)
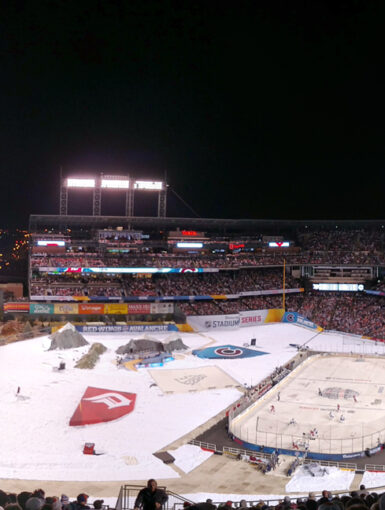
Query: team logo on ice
point(191, 379)
point(111, 400)
point(229, 351)
point(115, 404)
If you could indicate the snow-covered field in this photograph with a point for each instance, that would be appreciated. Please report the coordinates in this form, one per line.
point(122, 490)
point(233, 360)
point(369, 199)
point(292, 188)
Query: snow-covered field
point(38, 443)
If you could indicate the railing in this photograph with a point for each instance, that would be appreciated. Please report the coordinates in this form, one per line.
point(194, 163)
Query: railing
point(341, 465)
point(205, 446)
point(235, 452)
point(238, 452)
point(374, 467)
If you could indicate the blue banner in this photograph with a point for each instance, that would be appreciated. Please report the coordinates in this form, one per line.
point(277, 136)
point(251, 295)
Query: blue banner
point(375, 292)
point(295, 318)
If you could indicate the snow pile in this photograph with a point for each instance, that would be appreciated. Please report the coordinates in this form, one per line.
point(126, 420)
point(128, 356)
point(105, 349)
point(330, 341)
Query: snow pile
point(188, 457)
point(67, 338)
point(373, 479)
point(333, 479)
point(140, 345)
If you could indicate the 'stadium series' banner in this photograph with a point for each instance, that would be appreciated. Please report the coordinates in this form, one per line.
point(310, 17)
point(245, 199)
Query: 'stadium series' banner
point(249, 318)
point(256, 317)
point(214, 322)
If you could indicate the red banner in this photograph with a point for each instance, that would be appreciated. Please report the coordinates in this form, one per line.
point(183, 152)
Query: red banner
point(91, 308)
point(99, 405)
point(16, 307)
point(139, 307)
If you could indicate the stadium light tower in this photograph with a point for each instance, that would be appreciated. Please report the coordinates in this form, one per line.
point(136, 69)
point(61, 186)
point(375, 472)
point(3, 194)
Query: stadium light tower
point(113, 182)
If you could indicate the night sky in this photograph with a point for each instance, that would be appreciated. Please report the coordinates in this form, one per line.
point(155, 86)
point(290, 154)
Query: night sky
point(260, 109)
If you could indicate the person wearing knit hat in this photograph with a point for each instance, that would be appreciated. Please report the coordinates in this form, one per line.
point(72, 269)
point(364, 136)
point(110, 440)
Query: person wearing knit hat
point(4, 500)
point(13, 506)
point(23, 497)
point(64, 501)
point(381, 502)
point(82, 500)
point(54, 503)
point(34, 503)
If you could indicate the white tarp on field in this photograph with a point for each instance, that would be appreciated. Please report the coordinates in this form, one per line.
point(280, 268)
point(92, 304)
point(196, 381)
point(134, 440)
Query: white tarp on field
point(193, 379)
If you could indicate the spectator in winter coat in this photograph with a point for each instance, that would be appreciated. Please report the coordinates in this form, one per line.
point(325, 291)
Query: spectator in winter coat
point(151, 498)
point(22, 498)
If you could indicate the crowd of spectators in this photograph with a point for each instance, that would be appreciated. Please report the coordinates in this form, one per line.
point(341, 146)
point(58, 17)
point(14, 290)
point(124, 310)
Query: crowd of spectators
point(342, 239)
point(261, 258)
point(355, 313)
point(37, 500)
point(186, 284)
point(360, 499)
point(337, 247)
point(350, 312)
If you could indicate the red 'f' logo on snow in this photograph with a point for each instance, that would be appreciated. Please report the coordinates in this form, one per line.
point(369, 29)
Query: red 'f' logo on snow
point(99, 405)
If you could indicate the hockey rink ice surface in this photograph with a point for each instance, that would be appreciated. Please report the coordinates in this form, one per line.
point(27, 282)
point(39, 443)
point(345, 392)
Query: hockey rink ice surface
point(342, 396)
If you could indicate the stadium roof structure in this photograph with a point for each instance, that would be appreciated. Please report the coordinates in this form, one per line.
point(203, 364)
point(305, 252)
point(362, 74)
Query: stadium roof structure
point(61, 222)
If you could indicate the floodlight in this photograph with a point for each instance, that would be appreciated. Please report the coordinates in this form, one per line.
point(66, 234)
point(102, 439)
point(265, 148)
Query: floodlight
point(80, 183)
point(149, 185)
point(115, 183)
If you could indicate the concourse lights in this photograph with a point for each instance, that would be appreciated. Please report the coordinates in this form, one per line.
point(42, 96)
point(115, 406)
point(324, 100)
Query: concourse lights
point(189, 245)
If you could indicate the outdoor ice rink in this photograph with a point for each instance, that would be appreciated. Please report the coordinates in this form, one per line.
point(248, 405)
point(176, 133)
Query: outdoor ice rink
point(309, 394)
